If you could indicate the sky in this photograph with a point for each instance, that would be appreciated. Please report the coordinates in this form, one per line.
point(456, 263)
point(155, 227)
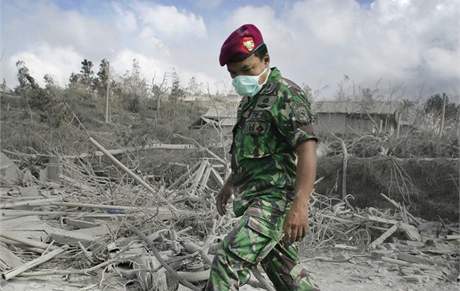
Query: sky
point(399, 48)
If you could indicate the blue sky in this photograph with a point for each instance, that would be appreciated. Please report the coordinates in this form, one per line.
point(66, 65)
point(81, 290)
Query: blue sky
point(385, 44)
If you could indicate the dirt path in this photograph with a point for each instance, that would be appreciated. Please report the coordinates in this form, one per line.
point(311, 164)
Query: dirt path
point(361, 275)
point(364, 276)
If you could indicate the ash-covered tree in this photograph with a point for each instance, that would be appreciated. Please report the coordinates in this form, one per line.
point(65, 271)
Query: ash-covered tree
point(34, 96)
point(49, 81)
point(441, 111)
point(102, 78)
point(177, 92)
point(37, 99)
point(194, 88)
point(87, 73)
point(133, 88)
point(26, 81)
point(4, 88)
point(85, 79)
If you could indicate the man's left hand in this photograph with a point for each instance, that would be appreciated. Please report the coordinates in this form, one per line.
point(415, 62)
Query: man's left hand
point(296, 224)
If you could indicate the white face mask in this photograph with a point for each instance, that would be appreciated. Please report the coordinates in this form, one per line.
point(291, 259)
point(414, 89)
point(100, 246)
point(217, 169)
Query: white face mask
point(248, 85)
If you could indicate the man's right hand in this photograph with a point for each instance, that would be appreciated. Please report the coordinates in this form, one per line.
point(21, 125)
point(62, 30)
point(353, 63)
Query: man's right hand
point(222, 198)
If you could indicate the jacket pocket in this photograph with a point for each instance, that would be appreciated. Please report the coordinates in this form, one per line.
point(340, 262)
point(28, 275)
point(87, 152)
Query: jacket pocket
point(256, 140)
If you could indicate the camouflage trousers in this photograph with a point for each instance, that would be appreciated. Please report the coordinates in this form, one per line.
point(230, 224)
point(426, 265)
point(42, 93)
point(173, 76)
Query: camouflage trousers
point(257, 238)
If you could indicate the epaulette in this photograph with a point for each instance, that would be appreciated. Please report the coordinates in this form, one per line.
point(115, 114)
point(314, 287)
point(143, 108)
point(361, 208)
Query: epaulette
point(296, 89)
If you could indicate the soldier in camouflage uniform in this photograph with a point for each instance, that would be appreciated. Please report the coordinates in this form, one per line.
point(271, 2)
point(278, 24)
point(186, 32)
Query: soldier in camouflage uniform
point(273, 170)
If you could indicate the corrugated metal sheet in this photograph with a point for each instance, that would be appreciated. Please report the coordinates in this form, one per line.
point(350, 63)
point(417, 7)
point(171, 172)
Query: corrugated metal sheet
point(356, 107)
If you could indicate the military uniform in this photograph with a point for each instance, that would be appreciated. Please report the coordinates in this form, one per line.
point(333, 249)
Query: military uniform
point(270, 125)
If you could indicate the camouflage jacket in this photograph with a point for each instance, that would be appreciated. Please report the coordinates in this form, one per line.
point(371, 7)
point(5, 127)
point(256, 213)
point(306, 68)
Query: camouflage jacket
point(269, 127)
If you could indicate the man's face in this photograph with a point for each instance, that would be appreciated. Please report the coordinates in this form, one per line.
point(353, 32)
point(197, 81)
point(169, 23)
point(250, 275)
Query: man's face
point(251, 66)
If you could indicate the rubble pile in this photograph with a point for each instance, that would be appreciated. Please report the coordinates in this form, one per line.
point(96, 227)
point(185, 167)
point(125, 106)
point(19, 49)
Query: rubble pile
point(128, 233)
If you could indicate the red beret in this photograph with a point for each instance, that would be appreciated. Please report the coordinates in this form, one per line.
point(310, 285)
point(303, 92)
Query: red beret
point(241, 43)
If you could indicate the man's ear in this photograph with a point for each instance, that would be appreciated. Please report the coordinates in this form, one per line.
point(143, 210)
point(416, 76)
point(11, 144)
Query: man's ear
point(266, 59)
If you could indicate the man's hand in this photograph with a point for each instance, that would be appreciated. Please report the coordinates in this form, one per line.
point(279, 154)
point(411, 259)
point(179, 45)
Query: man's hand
point(296, 223)
point(222, 198)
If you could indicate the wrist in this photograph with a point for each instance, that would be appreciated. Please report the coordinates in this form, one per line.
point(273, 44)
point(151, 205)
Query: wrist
point(303, 197)
point(301, 202)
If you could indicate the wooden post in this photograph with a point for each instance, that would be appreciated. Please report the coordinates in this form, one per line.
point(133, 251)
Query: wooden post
point(443, 115)
point(107, 95)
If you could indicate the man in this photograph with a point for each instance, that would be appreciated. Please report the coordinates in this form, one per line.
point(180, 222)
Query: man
point(273, 170)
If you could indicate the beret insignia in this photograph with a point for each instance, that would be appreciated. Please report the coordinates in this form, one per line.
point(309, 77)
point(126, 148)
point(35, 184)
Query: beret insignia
point(248, 43)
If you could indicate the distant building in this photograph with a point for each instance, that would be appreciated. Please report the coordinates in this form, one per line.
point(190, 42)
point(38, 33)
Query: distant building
point(356, 116)
point(220, 115)
point(332, 116)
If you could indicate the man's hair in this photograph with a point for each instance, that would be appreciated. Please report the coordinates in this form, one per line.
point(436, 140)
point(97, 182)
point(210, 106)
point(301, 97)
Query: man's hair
point(260, 52)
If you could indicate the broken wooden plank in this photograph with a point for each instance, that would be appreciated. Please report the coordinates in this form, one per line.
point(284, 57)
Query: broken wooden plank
point(194, 276)
point(97, 231)
point(156, 253)
point(9, 171)
point(184, 176)
point(133, 175)
point(404, 263)
point(29, 191)
point(415, 259)
point(346, 247)
point(34, 202)
point(79, 223)
point(29, 222)
point(384, 236)
point(8, 260)
point(217, 176)
point(401, 208)
point(453, 237)
point(161, 213)
point(23, 240)
point(69, 237)
point(377, 219)
point(29, 265)
point(204, 181)
point(198, 177)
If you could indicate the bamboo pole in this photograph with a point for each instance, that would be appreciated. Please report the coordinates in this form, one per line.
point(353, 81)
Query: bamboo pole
point(133, 175)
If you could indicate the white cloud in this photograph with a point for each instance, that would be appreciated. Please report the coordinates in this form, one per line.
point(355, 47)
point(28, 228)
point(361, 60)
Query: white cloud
point(317, 42)
point(443, 63)
point(31, 22)
point(312, 41)
point(169, 22)
point(126, 20)
point(43, 59)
